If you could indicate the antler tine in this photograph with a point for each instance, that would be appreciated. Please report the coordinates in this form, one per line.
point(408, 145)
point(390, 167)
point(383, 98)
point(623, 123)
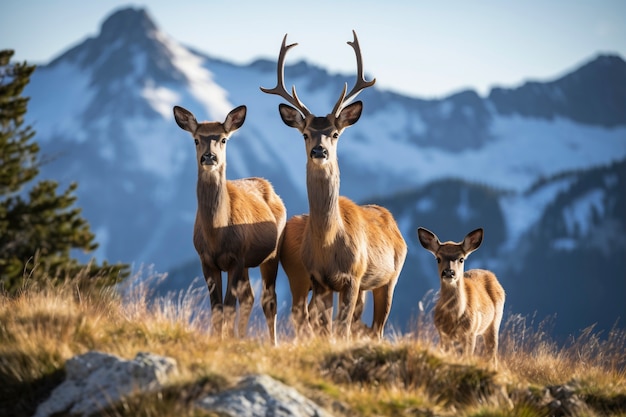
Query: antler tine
point(280, 90)
point(360, 84)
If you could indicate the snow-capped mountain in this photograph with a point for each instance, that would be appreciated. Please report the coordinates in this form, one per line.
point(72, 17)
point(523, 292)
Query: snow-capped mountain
point(539, 166)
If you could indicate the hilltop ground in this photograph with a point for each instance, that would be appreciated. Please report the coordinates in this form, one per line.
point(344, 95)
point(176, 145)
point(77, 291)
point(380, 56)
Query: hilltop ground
point(403, 375)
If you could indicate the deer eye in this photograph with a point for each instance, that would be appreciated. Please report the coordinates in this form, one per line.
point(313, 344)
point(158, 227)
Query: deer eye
point(305, 136)
point(438, 260)
point(461, 260)
point(335, 135)
point(223, 140)
point(197, 142)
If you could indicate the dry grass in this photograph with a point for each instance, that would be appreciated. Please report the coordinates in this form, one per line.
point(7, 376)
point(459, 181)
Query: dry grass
point(403, 375)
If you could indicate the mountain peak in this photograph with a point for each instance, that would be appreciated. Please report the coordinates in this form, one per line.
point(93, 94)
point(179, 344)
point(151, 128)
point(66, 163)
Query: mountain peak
point(127, 23)
point(129, 45)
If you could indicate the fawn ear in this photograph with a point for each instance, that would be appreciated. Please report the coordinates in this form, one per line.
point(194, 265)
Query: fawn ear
point(185, 119)
point(291, 117)
point(472, 241)
point(429, 240)
point(235, 119)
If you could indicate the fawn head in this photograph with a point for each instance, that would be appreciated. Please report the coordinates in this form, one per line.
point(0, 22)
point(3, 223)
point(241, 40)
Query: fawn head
point(450, 255)
point(320, 133)
point(210, 137)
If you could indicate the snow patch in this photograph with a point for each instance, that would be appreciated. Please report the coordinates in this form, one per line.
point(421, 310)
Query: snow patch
point(521, 211)
point(463, 210)
point(425, 205)
point(564, 244)
point(63, 91)
point(161, 99)
point(157, 150)
point(579, 217)
point(200, 80)
point(523, 151)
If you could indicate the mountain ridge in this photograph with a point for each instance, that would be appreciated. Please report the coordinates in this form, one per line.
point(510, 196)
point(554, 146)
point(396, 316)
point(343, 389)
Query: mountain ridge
point(453, 163)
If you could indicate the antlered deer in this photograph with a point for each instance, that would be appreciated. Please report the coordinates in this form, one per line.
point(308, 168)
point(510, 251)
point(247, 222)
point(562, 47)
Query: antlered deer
point(345, 247)
point(300, 281)
point(471, 302)
point(238, 226)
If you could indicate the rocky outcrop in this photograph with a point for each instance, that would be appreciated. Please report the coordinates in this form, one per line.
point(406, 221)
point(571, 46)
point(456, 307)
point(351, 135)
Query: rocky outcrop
point(96, 380)
point(261, 396)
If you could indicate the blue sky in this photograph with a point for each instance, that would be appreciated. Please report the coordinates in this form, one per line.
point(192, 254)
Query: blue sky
point(419, 48)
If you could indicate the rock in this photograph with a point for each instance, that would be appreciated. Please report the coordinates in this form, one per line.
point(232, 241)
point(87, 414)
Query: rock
point(96, 380)
point(262, 396)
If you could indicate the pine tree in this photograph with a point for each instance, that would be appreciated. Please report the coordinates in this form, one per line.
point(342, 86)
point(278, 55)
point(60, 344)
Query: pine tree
point(38, 227)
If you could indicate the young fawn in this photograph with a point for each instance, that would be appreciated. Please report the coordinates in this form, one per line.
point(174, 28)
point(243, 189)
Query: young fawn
point(470, 303)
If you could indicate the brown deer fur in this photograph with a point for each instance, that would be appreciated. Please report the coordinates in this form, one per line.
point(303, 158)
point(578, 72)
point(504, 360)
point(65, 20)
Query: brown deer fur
point(238, 226)
point(346, 248)
point(470, 303)
point(300, 282)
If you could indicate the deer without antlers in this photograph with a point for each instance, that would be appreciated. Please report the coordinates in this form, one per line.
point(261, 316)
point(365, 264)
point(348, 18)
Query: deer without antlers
point(470, 303)
point(345, 247)
point(238, 226)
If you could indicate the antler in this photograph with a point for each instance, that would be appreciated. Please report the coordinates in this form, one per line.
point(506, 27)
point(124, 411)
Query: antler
point(280, 83)
point(360, 84)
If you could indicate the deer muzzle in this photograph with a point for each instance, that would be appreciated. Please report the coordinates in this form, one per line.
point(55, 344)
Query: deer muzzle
point(447, 273)
point(319, 152)
point(208, 159)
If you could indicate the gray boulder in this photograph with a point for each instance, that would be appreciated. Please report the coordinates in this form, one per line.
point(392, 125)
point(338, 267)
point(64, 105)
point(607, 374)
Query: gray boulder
point(262, 396)
point(95, 380)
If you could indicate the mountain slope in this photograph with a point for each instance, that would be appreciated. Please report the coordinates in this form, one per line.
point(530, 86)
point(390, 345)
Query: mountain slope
point(103, 114)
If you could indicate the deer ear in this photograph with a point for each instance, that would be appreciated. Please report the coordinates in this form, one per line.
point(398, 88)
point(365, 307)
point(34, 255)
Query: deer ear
point(235, 119)
point(349, 115)
point(429, 240)
point(472, 241)
point(185, 119)
point(291, 117)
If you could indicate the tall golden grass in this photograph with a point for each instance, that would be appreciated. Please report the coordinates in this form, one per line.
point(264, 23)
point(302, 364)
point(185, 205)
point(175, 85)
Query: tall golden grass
point(405, 374)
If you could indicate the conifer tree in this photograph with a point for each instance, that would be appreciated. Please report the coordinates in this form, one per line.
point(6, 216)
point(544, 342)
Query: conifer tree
point(38, 227)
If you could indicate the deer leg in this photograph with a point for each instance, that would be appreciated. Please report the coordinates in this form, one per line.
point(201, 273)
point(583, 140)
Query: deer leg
point(269, 270)
point(357, 324)
point(300, 314)
point(322, 309)
point(347, 305)
point(495, 326)
point(300, 286)
point(245, 296)
point(469, 345)
point(382, 306)
point(233, 289)
point(445, 343)
point(491, 342)
point(213, 278)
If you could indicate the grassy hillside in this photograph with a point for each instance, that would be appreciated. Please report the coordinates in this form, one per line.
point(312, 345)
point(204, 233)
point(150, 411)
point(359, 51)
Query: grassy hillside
point(403, 375)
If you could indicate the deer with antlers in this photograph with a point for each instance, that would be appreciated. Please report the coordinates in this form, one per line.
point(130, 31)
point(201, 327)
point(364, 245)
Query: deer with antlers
point(345, 247)
point(471, 303)
point(238, 226)
point(300, 284)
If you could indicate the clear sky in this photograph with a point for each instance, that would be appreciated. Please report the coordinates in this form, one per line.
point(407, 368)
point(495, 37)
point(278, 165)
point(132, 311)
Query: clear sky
point(422, 48)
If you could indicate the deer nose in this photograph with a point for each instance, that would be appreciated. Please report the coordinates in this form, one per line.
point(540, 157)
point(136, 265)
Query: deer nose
point(447, 273)
point(319, 152)
point(208, 159)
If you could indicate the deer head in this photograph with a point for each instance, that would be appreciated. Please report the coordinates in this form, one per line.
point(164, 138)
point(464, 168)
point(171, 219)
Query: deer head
point(210, 137)
point(450, 255)
point(320, 133)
